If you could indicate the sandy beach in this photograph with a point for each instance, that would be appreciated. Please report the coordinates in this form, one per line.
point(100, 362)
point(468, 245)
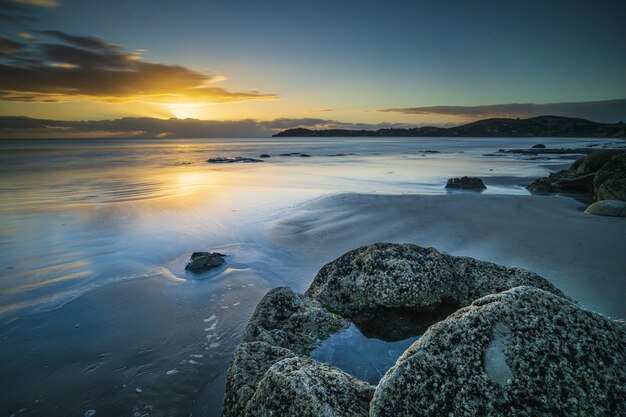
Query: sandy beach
point(579, 253)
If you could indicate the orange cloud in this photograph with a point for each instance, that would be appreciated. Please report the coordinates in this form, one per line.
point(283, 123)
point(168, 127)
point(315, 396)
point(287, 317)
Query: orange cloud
point(89, 68)
point(40, 3)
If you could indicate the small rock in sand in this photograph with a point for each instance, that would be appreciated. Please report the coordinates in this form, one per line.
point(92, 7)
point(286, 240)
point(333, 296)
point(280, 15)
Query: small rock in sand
point(466, 183)
point(203, 261)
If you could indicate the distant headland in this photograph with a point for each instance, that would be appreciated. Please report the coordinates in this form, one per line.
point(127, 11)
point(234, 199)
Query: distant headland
point(541, 126)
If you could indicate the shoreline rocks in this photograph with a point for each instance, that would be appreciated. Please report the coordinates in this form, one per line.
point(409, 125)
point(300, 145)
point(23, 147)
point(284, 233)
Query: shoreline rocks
point(581, 176)
point(233, 160)
point(394, 275)
point(521, 352)
point(513, 344)
point(466, 183)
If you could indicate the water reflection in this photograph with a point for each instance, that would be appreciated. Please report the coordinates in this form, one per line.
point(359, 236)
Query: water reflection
point(90, 232)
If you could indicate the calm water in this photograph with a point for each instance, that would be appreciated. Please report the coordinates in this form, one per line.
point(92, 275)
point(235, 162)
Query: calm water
point(96, 311)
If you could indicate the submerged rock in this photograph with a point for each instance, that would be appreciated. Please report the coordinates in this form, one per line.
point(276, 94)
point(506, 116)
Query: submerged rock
point(610, 180)
point(392, 275)
point(233, 160)
point(204, 261)
point(521, 352)
point(466, 183)
point(614, 208)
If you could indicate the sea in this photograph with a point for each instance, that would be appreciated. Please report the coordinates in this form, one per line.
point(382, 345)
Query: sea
point(98, 316)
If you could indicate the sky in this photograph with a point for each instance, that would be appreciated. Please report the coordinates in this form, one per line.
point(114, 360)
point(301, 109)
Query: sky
point(339, 63)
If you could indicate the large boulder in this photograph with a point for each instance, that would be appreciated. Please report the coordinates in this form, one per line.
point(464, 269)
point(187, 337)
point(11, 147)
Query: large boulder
point(305, 388)
point(613, 208)
point(610, 180)
point(522, 352)
point(392, 275)
point(466, 183)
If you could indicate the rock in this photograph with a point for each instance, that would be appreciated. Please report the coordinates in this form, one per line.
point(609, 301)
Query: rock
point(571, 181)
point(539, 146)
point(204, 261)
point(287, 319)
point(391, 275)
point(581, 176)
point(610, 180)
point(264, 155)
point(302, 387)
point(615, 208)
point(285, 324)
point(594, 161)
point(541, 185)
point(233, 160)
point(250, 362)
point(305, 155)
point(466, 183)
point(522, 352)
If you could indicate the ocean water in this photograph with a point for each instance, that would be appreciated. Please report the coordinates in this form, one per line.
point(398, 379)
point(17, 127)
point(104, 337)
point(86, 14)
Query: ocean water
point(96, 310)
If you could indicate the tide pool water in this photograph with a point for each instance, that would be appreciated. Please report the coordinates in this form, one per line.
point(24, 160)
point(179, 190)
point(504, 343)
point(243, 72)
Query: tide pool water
point(96, 310)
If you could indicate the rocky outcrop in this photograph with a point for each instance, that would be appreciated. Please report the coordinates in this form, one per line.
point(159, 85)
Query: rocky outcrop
point(466, 183)
point(594, 161)
point(521, 352)
point(512, 344)
point(394, 275)
point(539, 146)
point(610, 180)
point(613, 208)
point(204, 261)
point(581, 175)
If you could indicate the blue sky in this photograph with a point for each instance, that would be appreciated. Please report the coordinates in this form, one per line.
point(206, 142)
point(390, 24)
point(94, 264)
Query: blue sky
point(348, 59)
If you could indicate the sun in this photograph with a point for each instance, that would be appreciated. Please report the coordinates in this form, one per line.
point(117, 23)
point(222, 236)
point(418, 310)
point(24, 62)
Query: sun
point(189, 110)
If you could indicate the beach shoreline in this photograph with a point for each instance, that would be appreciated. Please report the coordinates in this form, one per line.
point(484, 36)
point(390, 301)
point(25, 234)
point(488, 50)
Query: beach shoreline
point(550, 235)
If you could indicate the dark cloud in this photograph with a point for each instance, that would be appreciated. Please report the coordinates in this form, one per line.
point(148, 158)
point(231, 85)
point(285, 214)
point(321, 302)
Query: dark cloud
point(8, 46)
point(608, 111)
point(89, 42)
point(11, 12)
point(88, 68)
point(145, 127)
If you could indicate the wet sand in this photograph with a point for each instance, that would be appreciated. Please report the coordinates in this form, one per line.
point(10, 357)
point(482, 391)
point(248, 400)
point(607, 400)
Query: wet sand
point(580, 253)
